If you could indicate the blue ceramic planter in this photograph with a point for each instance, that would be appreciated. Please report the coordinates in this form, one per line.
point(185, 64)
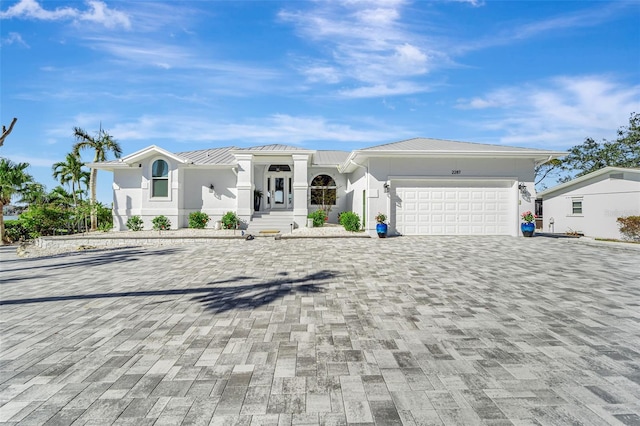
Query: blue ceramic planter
point(381, 229)
point(528, 229)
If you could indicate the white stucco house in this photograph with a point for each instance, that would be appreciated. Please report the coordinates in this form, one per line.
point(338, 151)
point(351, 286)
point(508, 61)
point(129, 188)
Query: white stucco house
point(590, 204)
point(424, 186)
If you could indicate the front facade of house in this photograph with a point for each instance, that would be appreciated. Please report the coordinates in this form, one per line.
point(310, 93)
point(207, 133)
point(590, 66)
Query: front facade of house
point(590, 204)
point(424, 186)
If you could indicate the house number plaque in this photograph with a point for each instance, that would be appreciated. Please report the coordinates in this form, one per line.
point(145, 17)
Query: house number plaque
point(456, 172)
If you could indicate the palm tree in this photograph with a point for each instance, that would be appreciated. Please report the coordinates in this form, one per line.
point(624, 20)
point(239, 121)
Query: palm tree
point(34, 193)
point(13, 179)
point(61, 197)
point(69, 171)
point(102, 144)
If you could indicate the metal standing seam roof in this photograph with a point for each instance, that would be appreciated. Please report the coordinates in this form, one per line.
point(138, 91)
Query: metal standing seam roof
point(329, 157)
point(434, 145)
point(215, 156)
point(272, 147)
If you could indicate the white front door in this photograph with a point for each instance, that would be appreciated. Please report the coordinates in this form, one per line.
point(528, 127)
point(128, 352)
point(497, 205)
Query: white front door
point(279, 194)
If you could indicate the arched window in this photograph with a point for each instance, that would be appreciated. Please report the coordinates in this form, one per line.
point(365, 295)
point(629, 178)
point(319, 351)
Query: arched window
point(323, 191)
point(160, 179)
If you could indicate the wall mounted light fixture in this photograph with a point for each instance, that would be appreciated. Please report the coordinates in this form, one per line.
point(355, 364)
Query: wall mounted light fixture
point(211, 187)
point(522, 187)
point(386, 186)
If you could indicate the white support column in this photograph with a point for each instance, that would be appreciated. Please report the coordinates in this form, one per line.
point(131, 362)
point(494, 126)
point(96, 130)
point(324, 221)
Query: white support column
point(245, 187)
point(300, 188)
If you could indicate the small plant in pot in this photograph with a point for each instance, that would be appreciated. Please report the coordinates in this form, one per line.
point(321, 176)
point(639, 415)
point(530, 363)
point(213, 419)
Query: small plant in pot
point(381, 227)
point(528, 227)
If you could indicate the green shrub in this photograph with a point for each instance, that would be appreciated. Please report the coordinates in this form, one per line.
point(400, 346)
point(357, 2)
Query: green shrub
point(319, 216)
point(46, 219)
point(198, 220)
point(350, 221)
point(105, 216)
point(134, 223)
point(161, 223)
point(229, 220)
point(105, 226)
point(14, 231)
point(630, 227)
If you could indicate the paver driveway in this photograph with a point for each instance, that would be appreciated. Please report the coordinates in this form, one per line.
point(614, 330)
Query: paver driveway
point(482, 330)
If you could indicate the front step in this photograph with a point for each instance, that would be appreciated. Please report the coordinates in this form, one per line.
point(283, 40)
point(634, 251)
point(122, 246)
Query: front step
point(271, 221)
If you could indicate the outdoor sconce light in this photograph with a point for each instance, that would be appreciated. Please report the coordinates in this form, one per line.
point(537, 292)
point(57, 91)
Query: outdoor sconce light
point(386, 187)
point(211, 187)
point(522, 187)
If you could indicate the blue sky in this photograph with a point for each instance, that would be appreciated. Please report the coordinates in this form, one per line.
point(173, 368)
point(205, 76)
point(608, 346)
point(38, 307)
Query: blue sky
point(345, 75)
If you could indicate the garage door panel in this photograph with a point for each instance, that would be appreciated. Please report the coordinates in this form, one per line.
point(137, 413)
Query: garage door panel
point(476, 210)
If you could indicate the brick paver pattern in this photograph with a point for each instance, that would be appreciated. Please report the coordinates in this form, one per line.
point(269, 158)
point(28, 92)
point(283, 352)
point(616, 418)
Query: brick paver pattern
point(413, 331)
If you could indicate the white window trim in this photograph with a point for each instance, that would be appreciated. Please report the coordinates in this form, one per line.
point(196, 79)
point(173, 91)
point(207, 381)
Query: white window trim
point(335, 187)
point(151, 178)
point(571, 201)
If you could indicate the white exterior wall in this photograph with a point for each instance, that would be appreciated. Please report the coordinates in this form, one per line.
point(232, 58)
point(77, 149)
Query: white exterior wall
point(188, 191)
point(383, 170)
point(603, 201)
point(127, 196)
point(198, 196)
point(132, 194)
point(355, 188)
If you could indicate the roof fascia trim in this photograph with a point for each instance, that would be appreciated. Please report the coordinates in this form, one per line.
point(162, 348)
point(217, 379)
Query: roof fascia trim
point(586, 177)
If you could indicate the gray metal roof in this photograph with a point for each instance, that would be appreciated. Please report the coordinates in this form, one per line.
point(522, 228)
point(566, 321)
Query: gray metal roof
point(329, 158)
point(272, 147)
point(215, 156)
point(427, 144)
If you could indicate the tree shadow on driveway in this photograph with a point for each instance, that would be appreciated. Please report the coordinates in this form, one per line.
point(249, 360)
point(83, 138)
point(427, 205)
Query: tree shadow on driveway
point(88, 258)
point(215, 298)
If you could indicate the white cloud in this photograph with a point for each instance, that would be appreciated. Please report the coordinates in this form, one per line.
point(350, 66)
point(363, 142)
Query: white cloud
point(97, 12)
point(560, 112)
point(365, 43)
point(474, 3)
point(382, 90)
point(13, 38)
point(512, 33)
point(278, 128)
point(101, 14)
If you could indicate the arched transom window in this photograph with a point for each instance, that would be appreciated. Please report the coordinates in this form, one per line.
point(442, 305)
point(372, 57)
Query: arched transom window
point(160, 179)
point(323, 191)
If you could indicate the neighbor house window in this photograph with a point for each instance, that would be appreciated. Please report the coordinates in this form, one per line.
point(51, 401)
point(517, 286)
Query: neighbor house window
point(323, 191)
point(576, 206)
point(160, 179)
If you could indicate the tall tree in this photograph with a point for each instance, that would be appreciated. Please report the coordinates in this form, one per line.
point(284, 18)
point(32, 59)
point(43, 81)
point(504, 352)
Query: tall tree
point(13, 181)
point(102, 144)
point(69, 171)
point(591, 155)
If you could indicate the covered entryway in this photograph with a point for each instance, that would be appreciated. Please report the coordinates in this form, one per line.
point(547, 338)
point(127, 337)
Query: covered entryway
point(279, 193)
point(437, 207)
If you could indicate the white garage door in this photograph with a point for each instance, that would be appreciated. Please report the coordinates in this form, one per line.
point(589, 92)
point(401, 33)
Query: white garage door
point(471, 208)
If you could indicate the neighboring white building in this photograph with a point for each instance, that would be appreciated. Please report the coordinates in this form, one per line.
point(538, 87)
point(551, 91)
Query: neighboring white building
point(424, 186)
point(591, 204)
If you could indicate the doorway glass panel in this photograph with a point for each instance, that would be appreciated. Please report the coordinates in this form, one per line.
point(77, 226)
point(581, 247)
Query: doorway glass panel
point(279, 190)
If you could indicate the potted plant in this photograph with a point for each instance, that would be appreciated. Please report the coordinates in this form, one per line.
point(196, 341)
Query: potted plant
point(381, 227)
point(528, 227)
point(257, 197)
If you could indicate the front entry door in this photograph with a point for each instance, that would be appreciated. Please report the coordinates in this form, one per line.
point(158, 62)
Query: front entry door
point(279, 191)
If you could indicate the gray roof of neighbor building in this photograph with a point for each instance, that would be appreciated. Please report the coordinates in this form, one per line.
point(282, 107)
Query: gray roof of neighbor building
point(329, 158)
point(215, 156)
point(427, 144)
